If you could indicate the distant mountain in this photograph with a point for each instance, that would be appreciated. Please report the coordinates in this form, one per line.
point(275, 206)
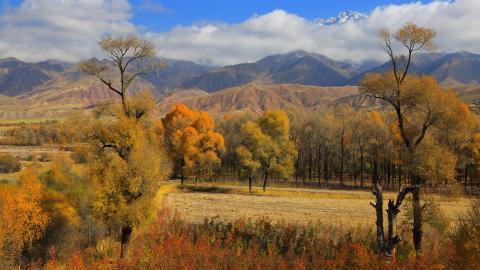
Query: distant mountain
point(258, 97)
point(174, 73)
point(298, 67)
point(452, 70)
point(297, 79)
point(17, 77)
point(342, 18)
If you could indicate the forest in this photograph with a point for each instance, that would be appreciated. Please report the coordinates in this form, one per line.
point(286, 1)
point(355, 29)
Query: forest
point(98, 202)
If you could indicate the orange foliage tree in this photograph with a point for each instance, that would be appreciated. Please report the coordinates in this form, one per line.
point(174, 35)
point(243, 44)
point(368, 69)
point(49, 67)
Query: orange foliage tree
point(192, 141)
point(22, 217)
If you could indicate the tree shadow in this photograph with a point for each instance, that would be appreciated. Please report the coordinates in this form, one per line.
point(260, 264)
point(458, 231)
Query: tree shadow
point(206, 189)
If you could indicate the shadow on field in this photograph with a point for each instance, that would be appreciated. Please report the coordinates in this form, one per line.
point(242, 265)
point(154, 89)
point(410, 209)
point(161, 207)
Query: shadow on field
point(204, 189)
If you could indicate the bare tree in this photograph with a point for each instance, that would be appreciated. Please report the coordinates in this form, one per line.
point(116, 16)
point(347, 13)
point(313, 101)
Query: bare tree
point(419, 104)
point(132, 57)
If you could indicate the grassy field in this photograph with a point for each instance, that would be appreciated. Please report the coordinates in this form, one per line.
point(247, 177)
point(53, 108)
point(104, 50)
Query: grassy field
point(344, 208)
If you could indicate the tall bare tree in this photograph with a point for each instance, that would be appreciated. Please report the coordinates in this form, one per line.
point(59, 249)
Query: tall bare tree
point(420, 105)
point(132, 57)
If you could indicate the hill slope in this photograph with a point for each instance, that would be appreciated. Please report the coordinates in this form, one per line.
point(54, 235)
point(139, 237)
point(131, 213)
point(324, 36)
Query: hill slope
point(259, 97)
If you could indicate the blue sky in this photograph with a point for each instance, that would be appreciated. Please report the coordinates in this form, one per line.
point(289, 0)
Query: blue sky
point(227, 32)
point(187, 12)
point(162, 15)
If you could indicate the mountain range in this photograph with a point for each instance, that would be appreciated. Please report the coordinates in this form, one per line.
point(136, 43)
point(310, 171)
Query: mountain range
point(294, 79)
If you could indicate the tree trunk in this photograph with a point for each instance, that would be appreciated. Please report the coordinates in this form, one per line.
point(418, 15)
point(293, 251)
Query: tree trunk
point(417, 220)
point(310, 165)
point(341, 170)
point(362, 179)
point(377, 191)
point(392, 212)
point(354, 170)
point(400, 176)
point(126, 233)
point(466, 167)
point(265, 181)
point(250, 182)
point(325, 166)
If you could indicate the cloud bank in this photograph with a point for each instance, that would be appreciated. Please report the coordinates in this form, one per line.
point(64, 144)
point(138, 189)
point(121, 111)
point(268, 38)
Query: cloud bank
point(69, 30)
point(66, 30)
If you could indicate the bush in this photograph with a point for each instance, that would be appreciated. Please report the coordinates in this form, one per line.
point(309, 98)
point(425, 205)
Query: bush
point(466, 240)
point(80, 154)
point(44, 157)
point(9, 164)
point(433, 216)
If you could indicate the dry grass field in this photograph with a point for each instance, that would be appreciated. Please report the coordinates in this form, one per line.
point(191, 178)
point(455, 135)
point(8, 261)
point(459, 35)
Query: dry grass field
point(335, 207)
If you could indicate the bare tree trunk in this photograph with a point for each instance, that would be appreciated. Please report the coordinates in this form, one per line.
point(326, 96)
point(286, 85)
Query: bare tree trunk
point(126, 233)
point(362, 179)
point(265, 181)
point(400, 175)
point(250, 182)
point(325, 166)
point(417, 220)
point(377, 191)
point(466, 166)
point(392, 212)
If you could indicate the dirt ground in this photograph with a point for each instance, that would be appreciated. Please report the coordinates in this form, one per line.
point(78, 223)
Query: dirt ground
point(353, 210)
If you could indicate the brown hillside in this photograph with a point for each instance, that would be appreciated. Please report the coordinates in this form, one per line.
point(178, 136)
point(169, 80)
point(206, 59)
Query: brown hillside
point(258, 97)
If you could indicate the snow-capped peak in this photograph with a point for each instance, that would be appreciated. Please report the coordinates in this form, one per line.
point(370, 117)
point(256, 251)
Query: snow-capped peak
point(342, 18)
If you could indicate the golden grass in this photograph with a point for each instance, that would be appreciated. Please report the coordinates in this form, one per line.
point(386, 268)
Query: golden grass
point(165, 189)
point(299, 205)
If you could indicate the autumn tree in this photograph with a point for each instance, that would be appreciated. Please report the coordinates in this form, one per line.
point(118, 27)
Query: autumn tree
point(132, 57)
point(230, 125)
point(129, 163)
point(420, 105)
point(23, 219)
point(191, 140)
point(268, 144)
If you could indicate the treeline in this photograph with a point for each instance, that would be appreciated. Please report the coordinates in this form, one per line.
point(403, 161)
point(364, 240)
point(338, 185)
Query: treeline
point(347, 148)
point(47, 132)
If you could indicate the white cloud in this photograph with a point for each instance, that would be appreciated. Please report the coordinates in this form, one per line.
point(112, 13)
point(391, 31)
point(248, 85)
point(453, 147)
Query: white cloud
point(457, 23)
point(61, 29)
point(70, 29)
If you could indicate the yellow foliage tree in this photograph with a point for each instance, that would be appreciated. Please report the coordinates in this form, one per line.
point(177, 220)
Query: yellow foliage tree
point(420, 106)
point(128, 165)
point(266, 146)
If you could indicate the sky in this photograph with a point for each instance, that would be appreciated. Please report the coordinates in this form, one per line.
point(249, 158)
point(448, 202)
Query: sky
point(226, 32)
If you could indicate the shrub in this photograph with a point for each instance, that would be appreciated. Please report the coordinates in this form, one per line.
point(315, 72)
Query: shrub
point(466, 239)
point(9, 164)
point(80, 154)
point(44, 157)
